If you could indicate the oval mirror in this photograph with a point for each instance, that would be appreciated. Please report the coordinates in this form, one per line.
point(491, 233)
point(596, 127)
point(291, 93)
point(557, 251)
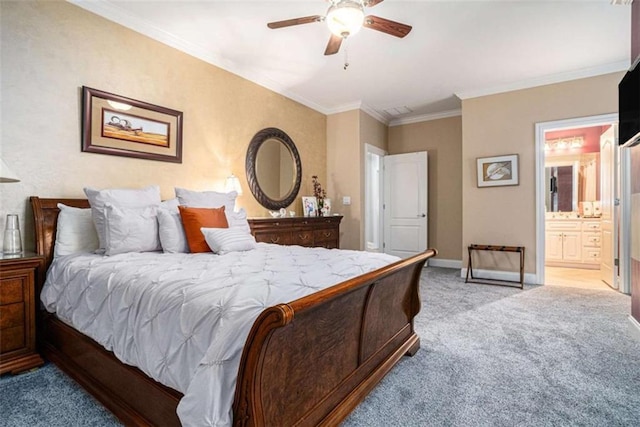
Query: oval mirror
point(273, 168)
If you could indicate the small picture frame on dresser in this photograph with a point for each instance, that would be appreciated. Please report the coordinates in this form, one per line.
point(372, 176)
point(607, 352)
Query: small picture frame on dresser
point(309, 206)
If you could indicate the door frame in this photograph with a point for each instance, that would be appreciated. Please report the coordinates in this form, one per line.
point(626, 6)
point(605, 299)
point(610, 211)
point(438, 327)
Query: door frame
point(623, 223)
point(368, 148)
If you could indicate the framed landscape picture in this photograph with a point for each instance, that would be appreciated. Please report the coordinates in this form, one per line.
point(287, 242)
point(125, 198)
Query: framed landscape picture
point(498, 171)
point(120, 126)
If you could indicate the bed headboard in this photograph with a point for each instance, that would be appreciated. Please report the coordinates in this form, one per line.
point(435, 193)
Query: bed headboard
point(45, 215)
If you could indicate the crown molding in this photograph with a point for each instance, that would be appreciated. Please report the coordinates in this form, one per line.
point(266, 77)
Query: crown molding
point(547, 80)
point(425, 117)
point(382, 118)
point(108, 10)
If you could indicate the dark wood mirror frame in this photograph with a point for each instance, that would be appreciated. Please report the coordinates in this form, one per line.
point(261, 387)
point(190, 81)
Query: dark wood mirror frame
point(250, 167)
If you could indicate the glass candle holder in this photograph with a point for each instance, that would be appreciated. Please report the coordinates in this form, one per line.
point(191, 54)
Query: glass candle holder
point(12, 239)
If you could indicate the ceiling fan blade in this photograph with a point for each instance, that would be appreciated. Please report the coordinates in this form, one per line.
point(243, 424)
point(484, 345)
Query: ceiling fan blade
point(386, 26)
point(295, 21)
point(372, 3)
point(334, 45)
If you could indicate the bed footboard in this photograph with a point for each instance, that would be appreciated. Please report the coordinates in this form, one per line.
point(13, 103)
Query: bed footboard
point(311, 361)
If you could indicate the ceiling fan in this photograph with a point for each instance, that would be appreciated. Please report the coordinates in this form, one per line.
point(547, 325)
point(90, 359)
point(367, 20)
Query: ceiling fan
point(345, 18)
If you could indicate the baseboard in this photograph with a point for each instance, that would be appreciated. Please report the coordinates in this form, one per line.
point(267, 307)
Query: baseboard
point(446, 263)
point(635, 326)
point(529, 278)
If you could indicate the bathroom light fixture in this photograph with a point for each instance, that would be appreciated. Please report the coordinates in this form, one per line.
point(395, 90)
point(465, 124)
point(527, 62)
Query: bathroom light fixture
point(564, 143)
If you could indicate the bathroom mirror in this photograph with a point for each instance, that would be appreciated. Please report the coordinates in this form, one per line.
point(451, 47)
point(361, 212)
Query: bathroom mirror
point(273, 168)
point(561, 193)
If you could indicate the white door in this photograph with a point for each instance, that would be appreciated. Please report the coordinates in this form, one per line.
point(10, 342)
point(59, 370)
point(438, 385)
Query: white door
point(405, 204)
point(373, 198)
point(608, 162)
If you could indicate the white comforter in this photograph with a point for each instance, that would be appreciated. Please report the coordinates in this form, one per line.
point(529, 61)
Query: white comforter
point(183, 319)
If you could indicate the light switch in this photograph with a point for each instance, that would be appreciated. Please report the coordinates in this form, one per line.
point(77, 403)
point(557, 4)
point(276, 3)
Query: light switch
point(346, 200)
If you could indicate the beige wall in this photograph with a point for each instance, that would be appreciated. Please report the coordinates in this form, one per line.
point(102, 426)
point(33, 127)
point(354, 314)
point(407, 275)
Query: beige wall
point(49, 50)
point(505, 124)
point(343, 172)
point(347, 132)
point(443, 140)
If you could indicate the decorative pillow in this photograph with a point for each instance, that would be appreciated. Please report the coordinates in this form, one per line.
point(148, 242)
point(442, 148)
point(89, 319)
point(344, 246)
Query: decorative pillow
point(206, 199)
point(75, 231)
point(238, 220)
point(171, 204)
point(120, 197)
point(193, 219)
point(172, 237)
point(131, 229)
point(225, 240)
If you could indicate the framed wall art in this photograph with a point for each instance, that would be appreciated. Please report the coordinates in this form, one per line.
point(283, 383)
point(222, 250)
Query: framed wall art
point(120, 126)
point(498, 171)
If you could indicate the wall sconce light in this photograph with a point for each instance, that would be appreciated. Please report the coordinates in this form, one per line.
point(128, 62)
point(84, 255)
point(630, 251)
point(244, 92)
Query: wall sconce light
point(232, 183)
point(6, 174)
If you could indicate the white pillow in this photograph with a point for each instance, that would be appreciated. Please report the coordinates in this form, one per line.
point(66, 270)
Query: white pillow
point(225, 240)
point(207, 199)
point(121, 197)
point(75, 231)
point(131, 229)
point(238, 220)
point(171, 204)
point(171, 231)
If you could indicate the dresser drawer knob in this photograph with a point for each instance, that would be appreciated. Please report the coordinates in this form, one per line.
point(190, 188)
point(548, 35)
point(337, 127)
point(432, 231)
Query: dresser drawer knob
point(328, 234)
point(275, 239)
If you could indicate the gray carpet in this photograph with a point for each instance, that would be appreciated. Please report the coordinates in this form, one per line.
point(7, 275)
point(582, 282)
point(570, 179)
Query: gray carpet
point(490, 356)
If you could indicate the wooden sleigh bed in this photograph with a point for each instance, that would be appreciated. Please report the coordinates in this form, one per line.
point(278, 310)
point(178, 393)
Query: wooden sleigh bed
point(306, 363)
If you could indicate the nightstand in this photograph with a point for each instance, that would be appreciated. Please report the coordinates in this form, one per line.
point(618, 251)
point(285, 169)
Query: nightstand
point(18, 306)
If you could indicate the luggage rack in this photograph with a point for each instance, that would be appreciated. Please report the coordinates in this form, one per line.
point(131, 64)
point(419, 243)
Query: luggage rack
point(517, 249)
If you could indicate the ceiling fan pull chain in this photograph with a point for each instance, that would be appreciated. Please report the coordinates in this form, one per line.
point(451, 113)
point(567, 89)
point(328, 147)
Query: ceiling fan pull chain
point(346, 56)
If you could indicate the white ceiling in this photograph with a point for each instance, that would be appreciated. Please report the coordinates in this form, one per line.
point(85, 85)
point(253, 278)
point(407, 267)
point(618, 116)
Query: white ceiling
point(457, 49)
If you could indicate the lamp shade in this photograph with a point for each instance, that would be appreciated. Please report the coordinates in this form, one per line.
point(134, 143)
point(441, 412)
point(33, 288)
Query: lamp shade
point(6, 174)
point(232, 183)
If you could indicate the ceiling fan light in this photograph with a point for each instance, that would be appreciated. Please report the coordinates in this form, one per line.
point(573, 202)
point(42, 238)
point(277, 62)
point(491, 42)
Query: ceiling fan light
point(345, 18)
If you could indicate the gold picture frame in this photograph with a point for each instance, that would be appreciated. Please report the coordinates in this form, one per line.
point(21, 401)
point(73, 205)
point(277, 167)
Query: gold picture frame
point(497, 171)
point(121, 126)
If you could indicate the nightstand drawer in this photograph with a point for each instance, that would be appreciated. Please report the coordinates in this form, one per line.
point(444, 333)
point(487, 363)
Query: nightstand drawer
point(18, 305)
point(12, 339)
point(11, 291)
point(11, 315)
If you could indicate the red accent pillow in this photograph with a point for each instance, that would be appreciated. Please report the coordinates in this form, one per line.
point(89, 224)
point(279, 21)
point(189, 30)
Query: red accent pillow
point(195, 218)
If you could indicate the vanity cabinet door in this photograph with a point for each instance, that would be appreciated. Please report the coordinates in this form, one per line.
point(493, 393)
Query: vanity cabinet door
point(571, 247)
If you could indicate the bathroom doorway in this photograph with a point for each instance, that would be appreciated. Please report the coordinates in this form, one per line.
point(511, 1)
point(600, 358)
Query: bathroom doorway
point(577, 189)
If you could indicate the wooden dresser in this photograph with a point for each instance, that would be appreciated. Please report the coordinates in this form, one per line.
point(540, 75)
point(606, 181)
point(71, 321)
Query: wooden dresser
point(17, 313)
point(323, 231)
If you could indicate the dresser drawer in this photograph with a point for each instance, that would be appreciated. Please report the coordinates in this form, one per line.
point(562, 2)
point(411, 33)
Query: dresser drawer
point(302, 238)
point(591, 255)
point(11, 315)
point(591, 226)
point(11, 291)
point(563, 225)
point(591, 239)
point(325, 235)
point(282, 238)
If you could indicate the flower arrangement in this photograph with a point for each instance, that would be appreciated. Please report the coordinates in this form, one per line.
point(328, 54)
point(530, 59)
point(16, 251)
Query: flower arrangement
point(319, 193)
